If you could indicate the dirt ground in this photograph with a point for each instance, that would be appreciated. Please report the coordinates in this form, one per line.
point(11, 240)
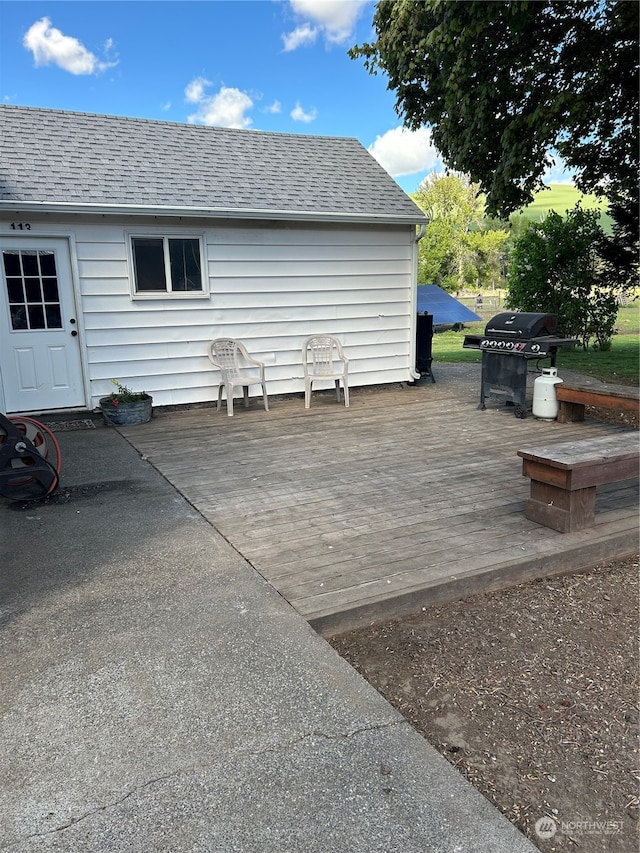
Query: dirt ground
point(532, 694)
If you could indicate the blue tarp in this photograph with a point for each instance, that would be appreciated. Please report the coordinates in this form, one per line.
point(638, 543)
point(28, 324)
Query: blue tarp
point(445, 308)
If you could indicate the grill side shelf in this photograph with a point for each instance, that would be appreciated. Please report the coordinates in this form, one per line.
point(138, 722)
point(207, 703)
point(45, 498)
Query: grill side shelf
point(472, 341)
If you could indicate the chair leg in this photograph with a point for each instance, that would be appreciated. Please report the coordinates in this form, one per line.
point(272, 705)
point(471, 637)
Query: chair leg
point(220, 390)
point(346, 394)
point(307, 392)
point(264, 397)
point(230, 400)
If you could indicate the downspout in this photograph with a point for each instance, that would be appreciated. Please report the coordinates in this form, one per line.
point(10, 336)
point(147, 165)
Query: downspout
point(415, 374)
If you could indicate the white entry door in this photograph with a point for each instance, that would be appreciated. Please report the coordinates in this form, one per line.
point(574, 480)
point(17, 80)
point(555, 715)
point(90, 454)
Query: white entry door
point(40, 363)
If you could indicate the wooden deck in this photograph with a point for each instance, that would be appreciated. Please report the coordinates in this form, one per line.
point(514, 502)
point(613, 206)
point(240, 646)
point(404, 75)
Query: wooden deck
point(411, 496)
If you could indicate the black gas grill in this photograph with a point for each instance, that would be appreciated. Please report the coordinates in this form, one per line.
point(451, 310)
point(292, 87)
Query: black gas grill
point(508, 343)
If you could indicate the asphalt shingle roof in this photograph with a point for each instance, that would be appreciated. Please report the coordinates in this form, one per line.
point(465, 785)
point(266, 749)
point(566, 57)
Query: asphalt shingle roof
point(52, 157)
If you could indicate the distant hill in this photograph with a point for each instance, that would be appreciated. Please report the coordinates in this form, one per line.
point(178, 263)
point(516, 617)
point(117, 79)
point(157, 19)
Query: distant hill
point(563, 197)
point(560, 197)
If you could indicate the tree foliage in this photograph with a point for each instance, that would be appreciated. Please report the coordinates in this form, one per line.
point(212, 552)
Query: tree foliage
point(502, 84)
point(555, 267)
point(457, 250)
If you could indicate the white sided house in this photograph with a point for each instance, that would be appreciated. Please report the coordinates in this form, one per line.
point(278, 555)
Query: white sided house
point(127, 245)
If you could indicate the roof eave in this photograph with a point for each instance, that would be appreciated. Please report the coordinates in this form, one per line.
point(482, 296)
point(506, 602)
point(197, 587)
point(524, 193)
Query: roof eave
point(208, 212)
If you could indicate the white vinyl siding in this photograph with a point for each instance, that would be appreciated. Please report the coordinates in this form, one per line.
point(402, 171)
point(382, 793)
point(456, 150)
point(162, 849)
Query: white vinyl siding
point(268, 284)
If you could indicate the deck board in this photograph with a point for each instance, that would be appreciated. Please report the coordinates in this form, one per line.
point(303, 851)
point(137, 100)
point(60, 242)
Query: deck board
point(353, 513)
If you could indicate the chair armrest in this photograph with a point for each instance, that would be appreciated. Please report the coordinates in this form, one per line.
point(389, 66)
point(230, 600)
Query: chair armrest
point(341, 352)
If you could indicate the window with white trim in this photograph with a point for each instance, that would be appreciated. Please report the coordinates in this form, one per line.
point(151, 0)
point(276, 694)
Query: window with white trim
point(167, 265)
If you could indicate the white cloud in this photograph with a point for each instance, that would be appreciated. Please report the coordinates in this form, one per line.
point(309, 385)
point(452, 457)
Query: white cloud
point(226, 108)
point(306, 34)
point(194, 91)
point(405, 152)
point(274, 108)
point(166, 106)
point(298, 114)
point(50, 46)
point(336, 19)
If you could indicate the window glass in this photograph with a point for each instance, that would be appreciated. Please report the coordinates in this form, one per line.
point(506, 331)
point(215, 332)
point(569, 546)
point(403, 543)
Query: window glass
point(185, 264)
point(50, 289)
point(15, 290)
point(36, 317)
point(18, 318)
point(47, 263)
point(54, 317)
point(30, 263)
point(11, 263)
point(167, 264)
point(32, 288)
point(148, 259)
point(34, 300)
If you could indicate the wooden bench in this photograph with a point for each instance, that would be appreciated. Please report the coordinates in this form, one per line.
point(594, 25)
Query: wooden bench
point(564, 477)
point(573, 398)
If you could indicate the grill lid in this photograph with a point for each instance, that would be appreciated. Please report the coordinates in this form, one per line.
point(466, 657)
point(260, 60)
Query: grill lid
point(522, 325)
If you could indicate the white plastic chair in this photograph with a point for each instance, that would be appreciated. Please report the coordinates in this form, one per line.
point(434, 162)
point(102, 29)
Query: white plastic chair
point(226, 355)
point(324, 358)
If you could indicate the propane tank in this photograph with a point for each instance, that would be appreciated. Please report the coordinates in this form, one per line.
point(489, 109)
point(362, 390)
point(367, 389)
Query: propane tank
point(545, 402)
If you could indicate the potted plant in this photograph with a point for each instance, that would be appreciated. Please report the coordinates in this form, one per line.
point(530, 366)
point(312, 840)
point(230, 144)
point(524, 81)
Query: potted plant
point(124, 406)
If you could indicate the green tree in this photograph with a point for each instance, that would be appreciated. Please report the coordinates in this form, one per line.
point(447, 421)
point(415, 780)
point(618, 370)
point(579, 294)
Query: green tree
point(503, 84)
point(453, 198)
point(458, 250)
point(554, 267)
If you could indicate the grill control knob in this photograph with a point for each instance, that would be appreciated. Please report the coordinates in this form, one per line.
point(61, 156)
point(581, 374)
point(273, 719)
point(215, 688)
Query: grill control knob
point(535, 347)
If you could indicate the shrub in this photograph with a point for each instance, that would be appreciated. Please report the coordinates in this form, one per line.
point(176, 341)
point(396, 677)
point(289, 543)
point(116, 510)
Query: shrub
point(555, 267)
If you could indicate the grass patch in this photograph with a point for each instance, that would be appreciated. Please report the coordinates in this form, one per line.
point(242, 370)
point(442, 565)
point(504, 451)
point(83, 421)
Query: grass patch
point(621, 364)
point(563, 197)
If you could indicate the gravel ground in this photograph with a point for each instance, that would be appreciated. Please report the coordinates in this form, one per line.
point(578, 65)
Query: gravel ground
point(532, 694)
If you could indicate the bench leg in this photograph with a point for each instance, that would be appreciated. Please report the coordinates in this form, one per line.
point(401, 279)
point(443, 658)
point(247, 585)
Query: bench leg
point(569, 413)
point(561, 509)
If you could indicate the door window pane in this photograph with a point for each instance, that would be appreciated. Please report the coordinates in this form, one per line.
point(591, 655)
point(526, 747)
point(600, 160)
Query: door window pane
point(32, 288)
point(53, 316)
point(12, 263)
point(36, 317)
point(34, 300)
point(50, 289)
point(19, 318)
point(15, 290)
point(30, 263)
point(47, 263)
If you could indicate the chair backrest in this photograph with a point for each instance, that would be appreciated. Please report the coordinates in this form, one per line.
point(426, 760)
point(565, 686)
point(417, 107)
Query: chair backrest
point(225, 352)
point(323, 348)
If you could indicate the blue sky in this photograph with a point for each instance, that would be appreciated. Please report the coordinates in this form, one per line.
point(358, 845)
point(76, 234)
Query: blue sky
point(275, 65)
